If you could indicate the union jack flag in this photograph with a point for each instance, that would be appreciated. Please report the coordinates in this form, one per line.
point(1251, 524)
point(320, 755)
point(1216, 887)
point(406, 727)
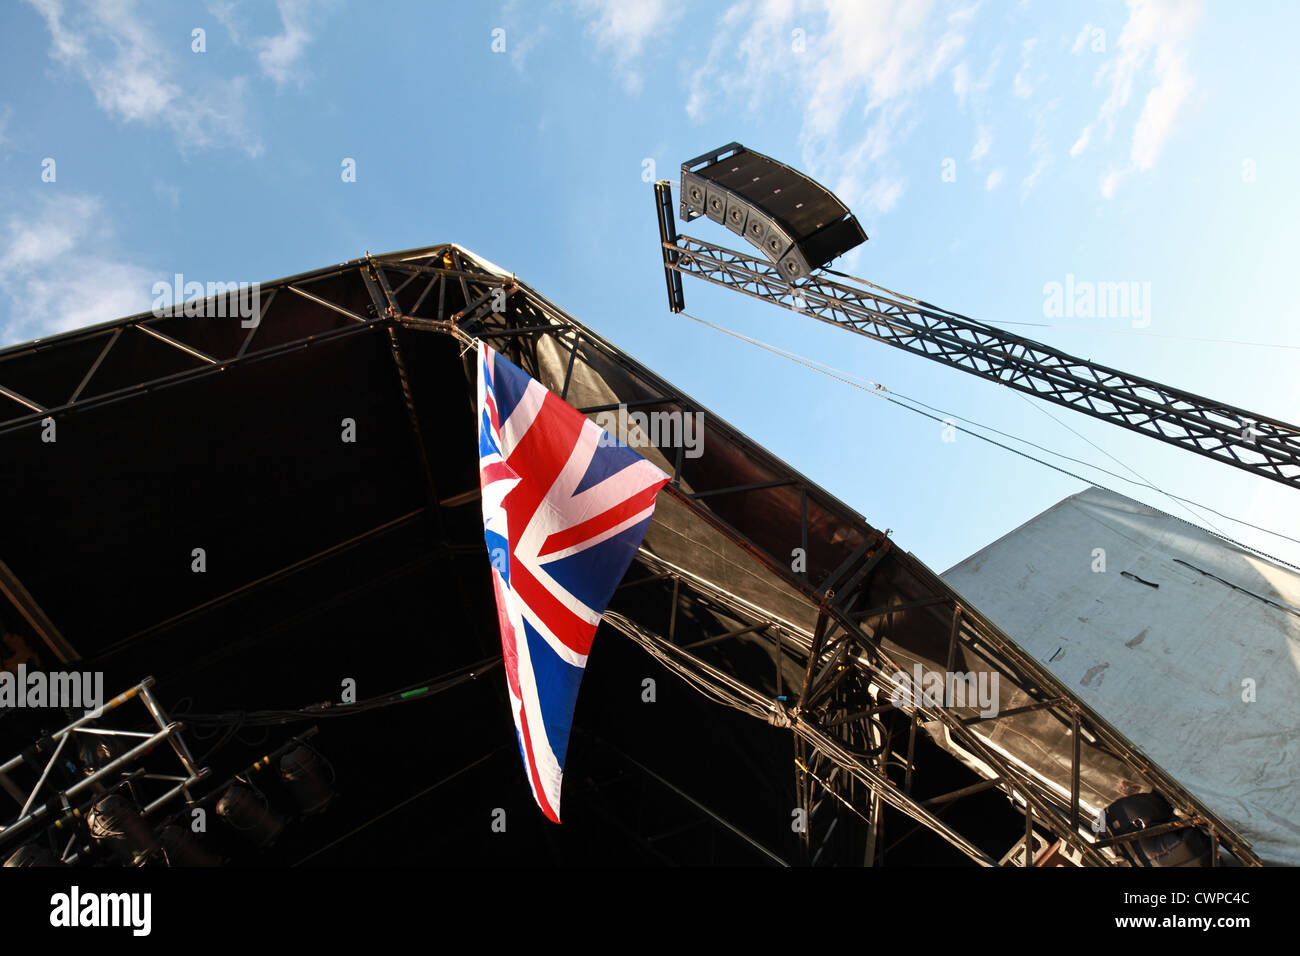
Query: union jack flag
point(564, 511)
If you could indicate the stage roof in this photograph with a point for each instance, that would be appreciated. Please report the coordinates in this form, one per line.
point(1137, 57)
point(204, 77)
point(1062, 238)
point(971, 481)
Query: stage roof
point(126, 446)
point(1187, 643)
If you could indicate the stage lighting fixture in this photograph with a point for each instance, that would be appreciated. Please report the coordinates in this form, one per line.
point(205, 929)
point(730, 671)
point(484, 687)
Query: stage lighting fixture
point(307, 776)
point(1187, 846)
point(180, 848)
point(31, 855)
point(251, 815)
point(115, 821)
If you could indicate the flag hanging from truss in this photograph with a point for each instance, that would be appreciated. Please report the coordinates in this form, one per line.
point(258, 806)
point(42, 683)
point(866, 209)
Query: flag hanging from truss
point(564, 511)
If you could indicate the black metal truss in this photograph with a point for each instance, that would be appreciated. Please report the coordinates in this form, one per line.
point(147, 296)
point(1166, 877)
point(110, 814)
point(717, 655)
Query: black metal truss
point(834, 723)
point(837, 767)
point(1249, 441)
point(441, 289)
point(200, 364)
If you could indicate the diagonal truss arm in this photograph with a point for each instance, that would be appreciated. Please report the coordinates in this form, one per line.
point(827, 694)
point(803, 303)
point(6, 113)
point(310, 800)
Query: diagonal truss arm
point(1251, 442)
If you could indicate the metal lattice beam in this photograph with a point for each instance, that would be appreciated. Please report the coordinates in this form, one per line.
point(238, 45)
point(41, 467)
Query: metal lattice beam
point(1246, 440)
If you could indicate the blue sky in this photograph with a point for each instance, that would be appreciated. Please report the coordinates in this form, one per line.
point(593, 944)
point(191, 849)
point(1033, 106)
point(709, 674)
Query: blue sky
point(989, 149)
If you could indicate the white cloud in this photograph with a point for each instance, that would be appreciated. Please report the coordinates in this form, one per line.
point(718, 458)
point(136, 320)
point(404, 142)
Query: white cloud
point(1081, 40)
point(1021, 85)
point(1030, 182)
point(1161, 109)
point(519, 50)
point(883, 195)
point(280, 55)
point(624, 27)
point(961, 82)
point(963, 15)
point(983, 143)
point(1110, 183)
point(54, 274)
point(1153, 42)
point(1039, 147)
point(1082, 142)
point(523, 34)
point(224, 11)
point(994, 179)
point(853, 86)
point(965, 87)
point(627, 24)
point(67, 45)
point(134, 77)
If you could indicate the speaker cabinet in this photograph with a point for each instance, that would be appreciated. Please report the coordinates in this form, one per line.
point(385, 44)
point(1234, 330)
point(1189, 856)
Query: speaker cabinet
point(737, 214)
point(795, 222)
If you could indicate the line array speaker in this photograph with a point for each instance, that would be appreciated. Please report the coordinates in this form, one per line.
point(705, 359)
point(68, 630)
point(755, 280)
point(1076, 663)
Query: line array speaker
point(795, 222)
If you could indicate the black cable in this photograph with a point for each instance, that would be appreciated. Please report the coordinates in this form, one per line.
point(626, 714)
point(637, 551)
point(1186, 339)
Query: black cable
point(1064, 471)
point(264, 718)
point(398, 806)
point(880, 391)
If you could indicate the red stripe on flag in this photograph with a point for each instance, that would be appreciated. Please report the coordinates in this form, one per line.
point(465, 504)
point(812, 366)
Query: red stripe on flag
point(573, 632)
point(602, 522)
point(538, 790)
point(509, 652)
point(546, 447)
point(496, 471)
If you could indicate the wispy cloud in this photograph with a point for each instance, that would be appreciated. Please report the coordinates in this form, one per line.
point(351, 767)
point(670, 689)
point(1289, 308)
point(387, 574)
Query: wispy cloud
point(280, 56)
point(963, 15)
point(994, 179)
point(965, 87)
point(226, 13)
point(1082, 39)
point(55, 275)
point(1153, 47)
point(1042, 160)
point(883, 194)
point(135, 78)
point(961, 81)
point(852, 71)
point(1021, 85)
point(524, 31)
point(983, 143)
point(1039, 147)
point(624, 27)
point(1082, 142)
